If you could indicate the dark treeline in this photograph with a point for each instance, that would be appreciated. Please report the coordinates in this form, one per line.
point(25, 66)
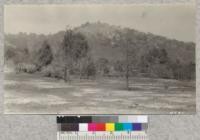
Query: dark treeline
point(98, 49)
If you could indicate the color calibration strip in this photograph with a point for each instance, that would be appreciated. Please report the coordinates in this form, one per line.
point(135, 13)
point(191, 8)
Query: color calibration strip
point(102, 119)
point(102, 127)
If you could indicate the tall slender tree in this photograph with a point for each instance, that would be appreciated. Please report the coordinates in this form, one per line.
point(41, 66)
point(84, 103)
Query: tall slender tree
point(127, 42)
point(74, 47)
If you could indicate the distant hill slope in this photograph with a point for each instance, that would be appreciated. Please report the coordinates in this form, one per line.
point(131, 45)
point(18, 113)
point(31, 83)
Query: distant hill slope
point(101, 39)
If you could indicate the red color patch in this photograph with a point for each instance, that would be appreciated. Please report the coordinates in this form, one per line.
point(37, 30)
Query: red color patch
point(100, 127)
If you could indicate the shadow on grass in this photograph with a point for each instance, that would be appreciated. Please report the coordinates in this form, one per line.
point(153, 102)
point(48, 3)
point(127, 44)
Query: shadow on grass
point(130, 89)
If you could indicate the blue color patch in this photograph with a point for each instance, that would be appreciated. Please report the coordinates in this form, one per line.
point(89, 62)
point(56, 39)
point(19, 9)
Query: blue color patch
point(127, 126)
point(137, 126)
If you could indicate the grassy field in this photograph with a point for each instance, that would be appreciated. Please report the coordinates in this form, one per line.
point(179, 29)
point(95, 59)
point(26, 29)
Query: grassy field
point(32, 94)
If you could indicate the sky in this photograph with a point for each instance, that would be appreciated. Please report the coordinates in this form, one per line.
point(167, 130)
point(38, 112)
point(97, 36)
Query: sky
point(175, 21)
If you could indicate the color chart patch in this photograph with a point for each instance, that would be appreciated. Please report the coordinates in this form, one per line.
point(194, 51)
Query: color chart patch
point(102, 127)
point(98, 123)
point(80, 127)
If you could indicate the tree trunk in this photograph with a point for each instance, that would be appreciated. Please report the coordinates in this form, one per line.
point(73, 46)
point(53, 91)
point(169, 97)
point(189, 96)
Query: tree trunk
point(68, 76)
point(127, 82)
point(80, 71)
point(127, 68)
point(65, 74)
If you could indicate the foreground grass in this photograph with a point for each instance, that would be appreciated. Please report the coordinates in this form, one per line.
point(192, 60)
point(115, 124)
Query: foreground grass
point(26, 93)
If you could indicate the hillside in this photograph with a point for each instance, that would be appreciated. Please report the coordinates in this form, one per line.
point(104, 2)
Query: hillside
point(100, 37)
point(149, 53)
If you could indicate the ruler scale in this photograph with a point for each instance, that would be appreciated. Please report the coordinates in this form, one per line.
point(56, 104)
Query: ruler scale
point(102, 127)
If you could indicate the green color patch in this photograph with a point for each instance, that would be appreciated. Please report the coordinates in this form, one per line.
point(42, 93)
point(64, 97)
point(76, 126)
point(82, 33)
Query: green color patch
point(118, 127)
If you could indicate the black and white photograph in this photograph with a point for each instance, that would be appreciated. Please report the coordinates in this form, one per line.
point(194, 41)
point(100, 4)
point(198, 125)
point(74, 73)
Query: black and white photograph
point(99, 59)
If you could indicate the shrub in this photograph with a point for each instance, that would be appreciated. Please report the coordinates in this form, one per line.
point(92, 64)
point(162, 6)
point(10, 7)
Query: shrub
point(162, 71)
point(25, 67)
point(53, 71)
point(44, 56)
point(88, 69)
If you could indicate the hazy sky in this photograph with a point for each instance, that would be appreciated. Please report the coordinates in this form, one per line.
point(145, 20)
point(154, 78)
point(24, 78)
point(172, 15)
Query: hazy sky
point(173, 21)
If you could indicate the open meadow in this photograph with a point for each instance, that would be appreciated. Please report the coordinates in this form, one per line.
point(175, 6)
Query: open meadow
point(26, 93)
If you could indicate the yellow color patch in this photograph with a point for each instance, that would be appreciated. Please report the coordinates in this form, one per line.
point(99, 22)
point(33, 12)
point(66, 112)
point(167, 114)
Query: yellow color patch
point(110, 127)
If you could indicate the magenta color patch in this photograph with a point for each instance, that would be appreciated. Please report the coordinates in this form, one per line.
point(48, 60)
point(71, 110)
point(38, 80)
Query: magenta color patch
point(92, 127)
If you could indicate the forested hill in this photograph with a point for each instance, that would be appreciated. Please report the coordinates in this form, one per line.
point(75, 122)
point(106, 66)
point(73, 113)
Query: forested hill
point(101, 40)
point(106, 41)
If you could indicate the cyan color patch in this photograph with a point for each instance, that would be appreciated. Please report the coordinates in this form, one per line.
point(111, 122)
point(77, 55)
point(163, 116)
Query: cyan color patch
point(127, 126)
